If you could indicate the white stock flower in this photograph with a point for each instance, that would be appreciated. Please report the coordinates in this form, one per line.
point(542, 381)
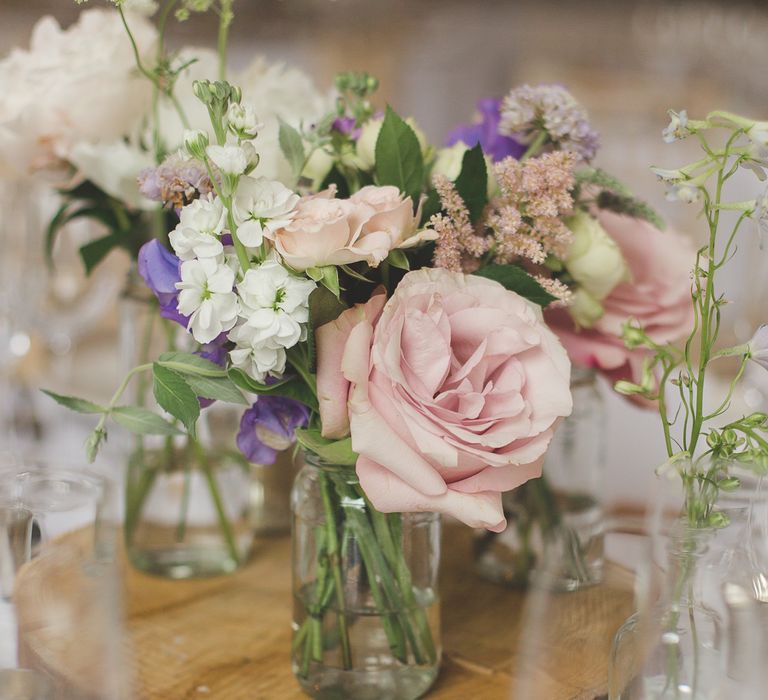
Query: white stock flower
point(197, 233)
point(206, 295)
point(257, 361)
point(72, 85)
point(275, 305)
point(242, 118)
point(259, 205)
point(230, 159)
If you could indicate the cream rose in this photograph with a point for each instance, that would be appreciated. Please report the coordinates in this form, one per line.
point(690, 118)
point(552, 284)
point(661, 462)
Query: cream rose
point(330, 231)
point(451, 391)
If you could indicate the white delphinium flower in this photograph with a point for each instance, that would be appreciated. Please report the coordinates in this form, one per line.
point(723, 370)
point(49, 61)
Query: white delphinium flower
point(197, 233)
point(230, 159)
point(256, 360)
point(275, 304)
point(260, 205)
point(677, 128)
point(242, 120)
point(206, 295)
point(758, 347)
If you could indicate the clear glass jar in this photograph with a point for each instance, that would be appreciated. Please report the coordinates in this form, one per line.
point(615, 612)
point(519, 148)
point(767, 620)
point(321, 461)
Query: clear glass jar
point(187, 513)
point(556, 529)
point(671, 648)
point(366, 619)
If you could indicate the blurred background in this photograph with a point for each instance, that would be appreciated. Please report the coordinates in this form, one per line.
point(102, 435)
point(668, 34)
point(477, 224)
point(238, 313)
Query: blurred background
point(627, 62)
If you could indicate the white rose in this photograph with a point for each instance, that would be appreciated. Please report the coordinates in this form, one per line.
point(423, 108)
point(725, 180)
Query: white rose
point(369, 134)
point(71, 86)
point(594, 259)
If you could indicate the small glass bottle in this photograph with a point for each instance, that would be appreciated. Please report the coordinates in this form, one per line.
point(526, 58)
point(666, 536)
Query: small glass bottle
point(555, 534)
point(366, 605)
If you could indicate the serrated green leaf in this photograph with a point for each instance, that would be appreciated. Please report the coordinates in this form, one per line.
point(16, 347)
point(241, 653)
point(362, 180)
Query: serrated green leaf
point(75, 404)
point(218, 389)
point(142, 421)
point(398, 156)
point(601, 178)
point(472, 182)
point(293, 388)
point(397, 258)
point(517, 280)
point(338, 452)
point(292, 147)
point(94, 252)
point(189, 363)
point(175, 396)
point(629, 206)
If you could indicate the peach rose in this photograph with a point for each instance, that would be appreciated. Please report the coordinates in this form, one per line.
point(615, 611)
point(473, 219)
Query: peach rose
point(451, 391)
point(657, 294)
point(330, 231)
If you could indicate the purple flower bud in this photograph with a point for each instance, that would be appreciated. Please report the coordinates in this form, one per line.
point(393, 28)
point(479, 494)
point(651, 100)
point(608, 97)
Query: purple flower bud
point(160, 270)
point(485, 131)
point(346, 126)
point(268, 427)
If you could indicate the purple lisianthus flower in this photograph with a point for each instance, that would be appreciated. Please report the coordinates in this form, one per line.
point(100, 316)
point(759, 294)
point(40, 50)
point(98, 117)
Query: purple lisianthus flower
point(485, 131)
point(268, 427)
point(159, 268)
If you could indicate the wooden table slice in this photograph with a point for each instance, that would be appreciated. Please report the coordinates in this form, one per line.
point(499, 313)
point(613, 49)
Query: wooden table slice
point(229, 638)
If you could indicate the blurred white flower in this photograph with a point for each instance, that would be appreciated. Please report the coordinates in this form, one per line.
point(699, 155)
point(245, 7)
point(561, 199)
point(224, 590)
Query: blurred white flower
point(114, 168)
point(230, 159)
point(206, 295)
point(242, 119)
point(72, 86)
point(677, 128)
point(758, 347)
point(261, 204)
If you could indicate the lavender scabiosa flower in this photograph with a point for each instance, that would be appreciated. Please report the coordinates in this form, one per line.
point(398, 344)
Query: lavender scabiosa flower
point(484, 129)
point(160, 269)
point(176, 182)
point(527, 111)
point(268, 427)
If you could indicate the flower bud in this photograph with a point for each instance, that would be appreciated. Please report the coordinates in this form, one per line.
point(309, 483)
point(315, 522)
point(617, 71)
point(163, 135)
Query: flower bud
point(585, 309)
point(594, 259)
point(242, 121)
point(202, 90)
point(195, 143)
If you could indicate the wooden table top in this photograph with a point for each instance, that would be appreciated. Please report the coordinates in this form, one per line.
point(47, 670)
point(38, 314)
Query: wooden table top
point(229, 637)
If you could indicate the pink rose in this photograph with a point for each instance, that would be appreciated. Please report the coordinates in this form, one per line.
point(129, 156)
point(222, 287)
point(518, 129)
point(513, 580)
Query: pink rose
point(451, 390)
point(330, 231)
point(658, 295)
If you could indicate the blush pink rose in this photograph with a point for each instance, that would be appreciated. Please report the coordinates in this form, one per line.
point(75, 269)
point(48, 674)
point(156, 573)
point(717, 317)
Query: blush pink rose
point(658, 295)
point(451, 391)
point(365, 227)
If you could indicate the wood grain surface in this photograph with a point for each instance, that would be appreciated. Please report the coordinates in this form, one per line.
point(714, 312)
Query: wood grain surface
point(228, 638)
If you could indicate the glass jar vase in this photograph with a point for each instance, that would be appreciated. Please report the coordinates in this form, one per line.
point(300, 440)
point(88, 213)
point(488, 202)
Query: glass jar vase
point(366, 604)
point(555, 535)
point(187, 512)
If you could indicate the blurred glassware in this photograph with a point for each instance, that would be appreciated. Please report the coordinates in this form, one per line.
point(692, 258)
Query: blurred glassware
point(556, 528)
point(62, 635)
point(700, 632)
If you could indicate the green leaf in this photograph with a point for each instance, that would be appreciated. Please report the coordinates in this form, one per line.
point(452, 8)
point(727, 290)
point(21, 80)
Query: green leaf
point(599, 177)
point(142, 421)
point(76, 404)
point(94, 252)
point(175, 396)
point(430, 207)
point(219, 389)
point(58, 220)
point(629, 206)
point(292, 147)
point(472, 182)
point(398, 156)
point(517, 280)
point(397, 258)
point(330, 280)
point(338, 452)
point(188, 363)
point(293, 388)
